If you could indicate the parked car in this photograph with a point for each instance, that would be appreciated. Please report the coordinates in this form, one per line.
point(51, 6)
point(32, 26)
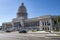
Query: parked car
point(8, 31)
point(22, 31)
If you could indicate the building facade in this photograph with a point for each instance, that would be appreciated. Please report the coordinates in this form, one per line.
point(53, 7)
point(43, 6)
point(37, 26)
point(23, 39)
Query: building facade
point(22, 21)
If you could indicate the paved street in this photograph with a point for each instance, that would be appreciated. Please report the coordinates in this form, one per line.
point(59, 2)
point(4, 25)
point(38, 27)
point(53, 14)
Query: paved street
point(17, 36)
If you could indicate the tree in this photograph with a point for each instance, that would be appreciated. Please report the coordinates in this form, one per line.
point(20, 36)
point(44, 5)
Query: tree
point(58, 21)
point(58, 18)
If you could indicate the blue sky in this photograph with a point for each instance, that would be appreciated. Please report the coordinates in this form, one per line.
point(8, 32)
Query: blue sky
point(35, 8)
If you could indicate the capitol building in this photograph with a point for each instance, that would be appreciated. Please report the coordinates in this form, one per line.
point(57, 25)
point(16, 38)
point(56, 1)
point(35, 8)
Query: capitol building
point(22, 21)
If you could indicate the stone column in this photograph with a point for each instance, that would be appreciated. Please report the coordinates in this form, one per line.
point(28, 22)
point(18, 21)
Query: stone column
point(40, 25)
point(12, 25)
point(22, 23)
point(4, 27)
point(51, 26)
point(46, 23)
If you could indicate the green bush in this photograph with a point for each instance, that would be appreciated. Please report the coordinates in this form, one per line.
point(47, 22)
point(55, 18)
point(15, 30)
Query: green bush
point(47, 30)
point(56, 31)
point(35, 30)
